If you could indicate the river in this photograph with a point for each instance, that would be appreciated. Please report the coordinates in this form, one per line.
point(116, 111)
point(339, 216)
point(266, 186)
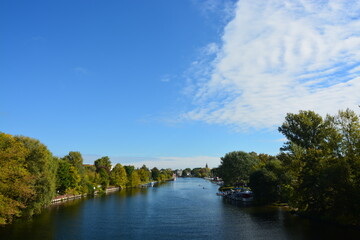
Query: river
point(184, 209)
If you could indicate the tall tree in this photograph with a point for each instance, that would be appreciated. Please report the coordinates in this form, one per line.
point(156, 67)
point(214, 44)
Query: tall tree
point(144, 174)
point(63, 176)
point(129, 170)
point(236, 167)
point(42, 166)
point(155, 174)
point(75, 159)
point(16, 182)
point(103, 163)
point(305, 129)
point(134, 179)
point(118, 176)
point(323, 157)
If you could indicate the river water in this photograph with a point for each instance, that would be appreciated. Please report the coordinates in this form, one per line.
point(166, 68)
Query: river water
point(184, 209)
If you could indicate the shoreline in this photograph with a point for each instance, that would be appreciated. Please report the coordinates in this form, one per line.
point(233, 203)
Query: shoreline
point(69, 197)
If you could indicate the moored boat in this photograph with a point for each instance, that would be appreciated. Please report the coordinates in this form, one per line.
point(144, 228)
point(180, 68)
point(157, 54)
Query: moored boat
point(243, 195)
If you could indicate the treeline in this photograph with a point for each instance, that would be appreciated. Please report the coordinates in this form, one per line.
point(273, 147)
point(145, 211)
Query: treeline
point(73, 177)
point(30, 176)
point(197, 172)
point(317, 171)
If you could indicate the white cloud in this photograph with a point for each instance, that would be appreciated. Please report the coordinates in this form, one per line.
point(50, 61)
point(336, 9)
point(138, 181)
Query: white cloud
point(179, 162)
point(166, 78)
point(277, 57)
point(211, 48)
point(160, 162)
point(210, 7)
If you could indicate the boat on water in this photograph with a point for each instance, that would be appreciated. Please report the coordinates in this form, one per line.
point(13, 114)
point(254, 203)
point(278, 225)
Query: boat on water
point(246, 196)
point(242, 195)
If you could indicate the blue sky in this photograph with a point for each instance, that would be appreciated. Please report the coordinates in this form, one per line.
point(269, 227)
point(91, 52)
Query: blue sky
point(172, 83)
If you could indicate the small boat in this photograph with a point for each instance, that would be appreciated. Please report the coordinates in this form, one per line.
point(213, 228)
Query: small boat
point(246, 196)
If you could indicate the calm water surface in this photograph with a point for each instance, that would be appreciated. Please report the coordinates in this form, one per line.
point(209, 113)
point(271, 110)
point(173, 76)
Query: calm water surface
point(184, 209)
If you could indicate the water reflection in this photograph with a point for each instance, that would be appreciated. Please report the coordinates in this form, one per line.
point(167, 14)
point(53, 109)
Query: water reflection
point(185, 209)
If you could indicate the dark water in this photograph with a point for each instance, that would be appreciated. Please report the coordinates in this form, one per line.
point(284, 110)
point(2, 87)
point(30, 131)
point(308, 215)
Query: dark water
point(184, 209)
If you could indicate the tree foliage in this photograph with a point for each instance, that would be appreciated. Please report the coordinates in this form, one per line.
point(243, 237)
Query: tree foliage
point(134, 179)
point(155, 174)
point(264, 183)
point(305, 129)
point(323, 159)
point(75, 159)
point(16, 182)
point(235, 167)
point(103, 163)
point(30, 176)
point(42, 166)
point(129, 169)
point(119, 176)
point(144, 174)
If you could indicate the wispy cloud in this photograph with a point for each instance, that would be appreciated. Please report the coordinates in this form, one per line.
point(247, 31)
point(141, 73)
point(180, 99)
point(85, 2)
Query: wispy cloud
point(166, 78)
point(277, 57)
point(160, 162)
point(81, 70)
point(180, 162)
point(210, 7)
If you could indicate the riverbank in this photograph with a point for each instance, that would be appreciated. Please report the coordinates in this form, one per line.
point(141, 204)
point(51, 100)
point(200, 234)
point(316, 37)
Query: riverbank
point(342, 221)
point(144, 213)
point(68, 197)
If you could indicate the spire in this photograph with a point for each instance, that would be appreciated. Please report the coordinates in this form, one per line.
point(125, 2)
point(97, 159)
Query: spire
point(206, 166)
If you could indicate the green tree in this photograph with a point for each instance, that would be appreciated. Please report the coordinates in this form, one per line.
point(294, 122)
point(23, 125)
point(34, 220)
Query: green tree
point(16, 182)
point(104, 178)
point(155, 174)
point(306, 132)
point(75, 159)
point(63, 177)
point(103, 163)
point(196, 172)
point(90, 178)
point(270, 181)
point(134, 179)
point(186, 172)
point(323, 159)
point(167, 173)
point(264, 184)
point(118, 176)
point(129, 170)
point(42, 166)
point(305, 129)
point(144, 174)
point(340, 177)
point(235, 167)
